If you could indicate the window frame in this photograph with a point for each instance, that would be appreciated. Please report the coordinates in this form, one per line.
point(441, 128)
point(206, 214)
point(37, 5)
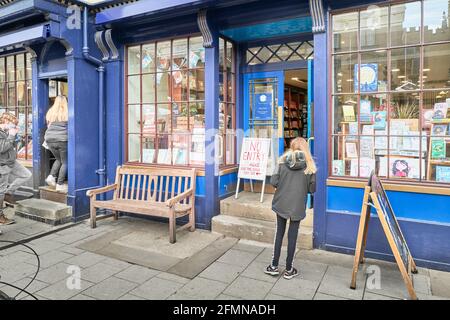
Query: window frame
point(420, 45)
point(27, 100)
point(156, 103)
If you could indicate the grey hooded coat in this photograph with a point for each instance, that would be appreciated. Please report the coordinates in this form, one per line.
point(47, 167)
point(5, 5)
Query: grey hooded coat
point(292, 187)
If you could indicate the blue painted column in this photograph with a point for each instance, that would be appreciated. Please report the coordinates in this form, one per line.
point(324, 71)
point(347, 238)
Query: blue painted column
point(114, 118)
point(40, 104)
point(83, 134)
point(321, 133)
point(211, 127)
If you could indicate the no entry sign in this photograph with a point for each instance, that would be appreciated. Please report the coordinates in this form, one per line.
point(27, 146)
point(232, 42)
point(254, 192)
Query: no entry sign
point(254, 157)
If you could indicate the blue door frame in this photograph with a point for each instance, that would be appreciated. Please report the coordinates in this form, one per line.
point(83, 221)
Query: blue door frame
point(279, 76)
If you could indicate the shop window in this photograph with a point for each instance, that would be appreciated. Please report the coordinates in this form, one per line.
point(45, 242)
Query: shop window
point(15, 97)
point(227, 105)
point(165, 102)
point(277, 53)
point(390, 93)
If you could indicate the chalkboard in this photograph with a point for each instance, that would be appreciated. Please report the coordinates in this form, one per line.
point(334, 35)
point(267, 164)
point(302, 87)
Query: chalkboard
point(377, 187)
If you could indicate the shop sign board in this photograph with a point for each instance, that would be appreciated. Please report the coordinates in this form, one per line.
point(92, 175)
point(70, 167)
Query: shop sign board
point(253, 160)
point(375, 197)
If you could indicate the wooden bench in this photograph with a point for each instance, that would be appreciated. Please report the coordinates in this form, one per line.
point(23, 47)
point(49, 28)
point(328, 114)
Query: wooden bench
point(161, 192)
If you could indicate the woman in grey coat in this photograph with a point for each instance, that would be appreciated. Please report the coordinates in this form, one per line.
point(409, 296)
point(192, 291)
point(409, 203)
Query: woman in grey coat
point(294, 179)
point(56, 139)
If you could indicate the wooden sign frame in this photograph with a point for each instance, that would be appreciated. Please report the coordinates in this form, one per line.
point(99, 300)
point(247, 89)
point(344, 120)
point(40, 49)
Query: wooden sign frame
point(370, 200)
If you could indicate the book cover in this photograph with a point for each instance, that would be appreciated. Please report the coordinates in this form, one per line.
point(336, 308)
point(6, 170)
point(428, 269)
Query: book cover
point(379, 118)
point(338, 168)
point(439, 130)
point(366, 166)
point(442, 174)
point(349, 113)
point(351, 150)
point(368, 130)
point(365, 111)
point(367, 147)
point(427, 118)
point(440, 110)
point(438, 148)
point(352, 131)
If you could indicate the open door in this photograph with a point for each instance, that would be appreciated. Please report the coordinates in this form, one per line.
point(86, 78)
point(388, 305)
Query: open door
point(263, 103)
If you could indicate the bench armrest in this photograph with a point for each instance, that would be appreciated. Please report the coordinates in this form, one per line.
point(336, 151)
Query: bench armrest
point(172, 201)
point(94, 192)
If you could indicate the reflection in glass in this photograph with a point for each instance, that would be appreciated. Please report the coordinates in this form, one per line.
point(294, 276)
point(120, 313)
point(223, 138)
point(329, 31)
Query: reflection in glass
point(134, 119)
point(345, 30)
point(148, 88)
point(436, 20)
point(163, 56)
point(436, 66)
point(196, 53)
point(134, 57)
point(134, 148)
point(162, 87)
point(179, 86)
point(163, 122)
point(405, 66)
point(134, 89)
point(148, 58)
point(343, 73)
point(374, 27)
point(179, 54)
point(405, 23)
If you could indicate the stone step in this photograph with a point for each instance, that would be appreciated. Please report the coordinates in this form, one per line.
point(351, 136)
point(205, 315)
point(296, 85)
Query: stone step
point(49, 193)
point(248, 206)
point(257, 230)
point(46, 211)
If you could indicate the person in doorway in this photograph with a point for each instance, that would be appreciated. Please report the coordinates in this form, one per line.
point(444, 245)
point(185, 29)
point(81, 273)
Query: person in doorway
point(56, 139)
point(10, 168)
point(293, 180)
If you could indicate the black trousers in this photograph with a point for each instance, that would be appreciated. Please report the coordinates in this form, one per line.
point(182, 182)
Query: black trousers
point(292, 241)
point(59, 167)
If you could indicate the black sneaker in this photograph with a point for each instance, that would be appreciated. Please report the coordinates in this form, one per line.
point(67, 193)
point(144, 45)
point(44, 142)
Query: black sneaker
point(273, 271)
point(289, 274)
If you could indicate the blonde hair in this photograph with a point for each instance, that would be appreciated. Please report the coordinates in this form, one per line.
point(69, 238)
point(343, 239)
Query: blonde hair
point(300, 145)
point(58, 111)
point(8, 117)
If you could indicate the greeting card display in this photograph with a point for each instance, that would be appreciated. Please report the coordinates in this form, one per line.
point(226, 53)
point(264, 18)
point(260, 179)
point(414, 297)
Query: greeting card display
point(379, 118)
point(440, 111)
point(338, 168)
point(439, 130)
point(351, 150)
point(366, 166)
point(402, 167)
point(438, 149)
point(349, 113)
point(442, 173)
point(365, 111)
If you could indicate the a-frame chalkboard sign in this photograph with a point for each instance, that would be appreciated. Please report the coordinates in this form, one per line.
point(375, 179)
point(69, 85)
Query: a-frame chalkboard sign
point(375, 197)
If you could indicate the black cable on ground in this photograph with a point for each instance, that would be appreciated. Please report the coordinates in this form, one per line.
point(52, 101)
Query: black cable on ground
point(35, 275)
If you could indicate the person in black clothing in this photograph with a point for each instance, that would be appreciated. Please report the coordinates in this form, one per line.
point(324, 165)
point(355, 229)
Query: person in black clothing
point(56, 139)
point(294, 179)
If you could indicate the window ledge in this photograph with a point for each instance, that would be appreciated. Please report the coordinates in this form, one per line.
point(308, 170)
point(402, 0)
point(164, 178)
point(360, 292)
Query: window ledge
point(401, 187)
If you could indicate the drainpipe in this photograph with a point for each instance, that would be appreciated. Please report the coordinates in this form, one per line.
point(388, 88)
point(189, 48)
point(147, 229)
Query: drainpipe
point(101, 171)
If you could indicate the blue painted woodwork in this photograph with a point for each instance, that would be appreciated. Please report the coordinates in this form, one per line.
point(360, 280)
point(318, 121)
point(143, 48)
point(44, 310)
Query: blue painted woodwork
point(270, 29)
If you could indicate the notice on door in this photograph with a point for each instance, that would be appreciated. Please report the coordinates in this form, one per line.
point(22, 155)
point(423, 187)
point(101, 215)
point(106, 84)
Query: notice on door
point(254, 157)
point(262, 106)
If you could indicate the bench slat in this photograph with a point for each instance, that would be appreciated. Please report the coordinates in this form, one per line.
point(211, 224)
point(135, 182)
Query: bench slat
point(122, 186)
point(138, 188)
point(166, 192)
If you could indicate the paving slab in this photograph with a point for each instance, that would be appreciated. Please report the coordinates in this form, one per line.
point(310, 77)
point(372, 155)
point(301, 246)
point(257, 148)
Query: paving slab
point(81, 297)
point(238, 257)
point(199, 261)
point(323, 296)
point(440, 283)
point(272, 296)
point(50, 258)
point(250, 246)
point(54, 273)
point(156, 289)
point(248, 289)
point(202, 289)
point(172, 277)
point(86, 259)
point(255, 270)
point(226, 297)
point(60, 290)
point(296, 288)
point(374, 296)
point(130, 297)
point(309, 270)
point(266, 256)
point(327, 257)
point(99, 272)
point(339, 286)
point(36, 285)
point(137, 274)
point(222, 272)
point(18, 272)
point(110, 289)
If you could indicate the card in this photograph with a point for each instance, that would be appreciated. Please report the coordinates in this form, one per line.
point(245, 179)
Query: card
point(338, 168)
point(439, 130)
point(442, 173)
point(349, 113)
point(438, 149)
point(379, 118)
point(351, 150)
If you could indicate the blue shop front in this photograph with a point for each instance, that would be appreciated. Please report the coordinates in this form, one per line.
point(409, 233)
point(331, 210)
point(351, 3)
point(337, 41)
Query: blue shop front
point(177, 83)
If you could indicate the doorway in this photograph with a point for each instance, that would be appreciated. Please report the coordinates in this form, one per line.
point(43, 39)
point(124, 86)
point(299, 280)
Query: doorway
point(296, 119)
point(56, 86)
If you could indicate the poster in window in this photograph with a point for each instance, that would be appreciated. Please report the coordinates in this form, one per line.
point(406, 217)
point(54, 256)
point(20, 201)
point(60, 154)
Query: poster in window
point(369, 77)
point(262, 107)
point(402, 167)
point(442, 173)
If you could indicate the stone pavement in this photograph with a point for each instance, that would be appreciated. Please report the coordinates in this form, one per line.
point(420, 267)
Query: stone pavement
point(237, 274)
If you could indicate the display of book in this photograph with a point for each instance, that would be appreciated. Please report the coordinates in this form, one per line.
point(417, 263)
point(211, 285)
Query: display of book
point(338, 167)
point(440, 110)
point(349, 113)
point(438, 149)
point(442, 173)
point(379, 118)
